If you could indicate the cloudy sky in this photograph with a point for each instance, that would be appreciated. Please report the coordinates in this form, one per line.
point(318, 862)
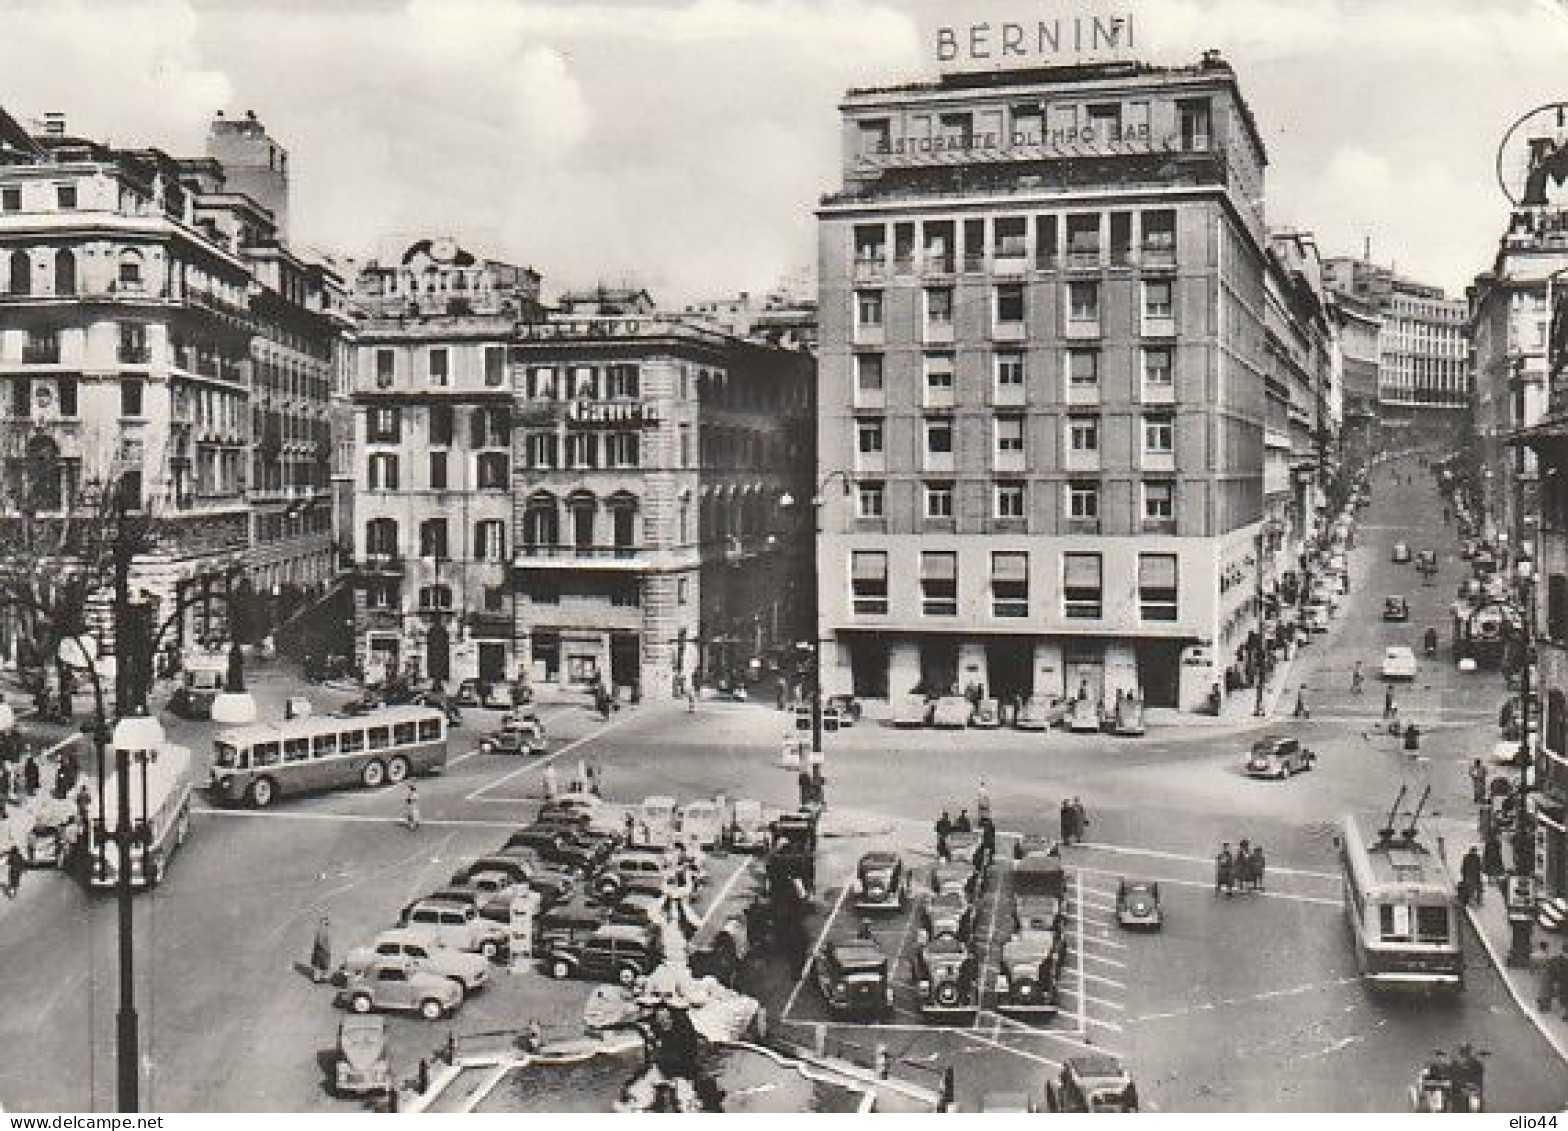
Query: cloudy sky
point(684, 142)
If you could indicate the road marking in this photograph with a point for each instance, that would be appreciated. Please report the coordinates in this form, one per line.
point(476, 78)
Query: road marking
point(1100, 958)
point(349, 818)
point(1096, 905)
point(718, 897)
point(984, 978)
point(1101, 978)
point(1109, 1004)
point(1286, 896)
point(1159, 854)
point(1266, 995)
point(811, 955)
point(1102, 940)
point(1078, 914)
point(540, 763)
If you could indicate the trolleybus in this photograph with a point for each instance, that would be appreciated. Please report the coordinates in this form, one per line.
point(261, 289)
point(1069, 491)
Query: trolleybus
point(160, 796)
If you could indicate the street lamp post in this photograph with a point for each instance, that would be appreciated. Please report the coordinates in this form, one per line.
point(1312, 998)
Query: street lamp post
point(817, 502)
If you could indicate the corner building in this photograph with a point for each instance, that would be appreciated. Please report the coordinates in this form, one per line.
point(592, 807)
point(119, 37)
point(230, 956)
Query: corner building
point(1041, 306)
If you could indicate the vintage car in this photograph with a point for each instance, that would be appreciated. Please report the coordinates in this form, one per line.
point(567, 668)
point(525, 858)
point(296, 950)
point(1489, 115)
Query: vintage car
point(947, 978)
point(1400, 554)
point(912, 711)
point(563, 848)
point(1396, 608)
point(964, 848)
point(1399, 662)
point(455, 926)
point(632, 869)
point(954, 875)
point(987, 715)
point(1316, 616)
point(952, 712)
point(848, 708)
point(1138, 905)
point(946, 913)
point(468, 970)
point(496, 877)
point(202, 680)
point(853, 977)
point(1041, 712)
point(516, 738)
point(1125, 716)
point(49, 836)
point(360, 1067)
point(1039, 890)
point(880, 883)
point(1426, 561)
point(640, 908)
point(397, 984)
point(615, 952)
point(570, 922)
point(1094, 1083)
point(1083, 715)
point(1026, 980)
point(1278, 758)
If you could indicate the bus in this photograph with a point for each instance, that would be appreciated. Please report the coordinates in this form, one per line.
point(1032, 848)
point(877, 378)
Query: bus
point(259, 763)
point(1402, 909)
point(161, 796)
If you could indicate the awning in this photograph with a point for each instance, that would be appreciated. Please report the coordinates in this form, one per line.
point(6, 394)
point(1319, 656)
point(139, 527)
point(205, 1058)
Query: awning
point(1009, 565)
point(1157, 571)
point(1081, 571)
point(939, 565)
point(869, 565)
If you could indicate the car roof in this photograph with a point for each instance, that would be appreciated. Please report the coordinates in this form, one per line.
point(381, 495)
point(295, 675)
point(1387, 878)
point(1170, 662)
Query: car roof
point(1095, 1067)
point(1273, 742)
point(950, 896)
point(1138, 885)
point(437, 904)
point(1028, 944)
point(879, 859)
point(858, 952)
point(630, 932)
point(1397, 650)
point(945, 947)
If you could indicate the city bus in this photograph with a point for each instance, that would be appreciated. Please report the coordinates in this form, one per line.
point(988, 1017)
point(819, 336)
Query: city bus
point(1402, 910)
point(259, 763)
point(160, 795)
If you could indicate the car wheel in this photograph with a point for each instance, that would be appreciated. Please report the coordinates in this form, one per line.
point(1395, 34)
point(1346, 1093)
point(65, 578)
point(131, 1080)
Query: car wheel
point(361, 1003)
point(374, 774)
point(431, 1009)
point(397, 769)
point(489, 949)
point(561, 969)
point(262, 791)
point(947, 994)
point(626, 975)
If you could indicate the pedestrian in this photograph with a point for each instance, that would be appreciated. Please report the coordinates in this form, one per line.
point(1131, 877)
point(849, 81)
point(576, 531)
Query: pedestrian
point(803, 783)
point(551, 781)
point(15, 865)
point(944, 826)
point(1478, 782)
point(411, 808)
point(781, 695)
point(983, 802)
point(1545, 965)
point(1067, 821)
point(1357, 680)
point(595, 780)
point(321, 952)
point(962, 824)
point(1389, 709)
point(1243, 864)
point(631, 829)
point(1258, 864)
point(32, 777)
point(5, 783)
point(819, 786)
point(1080, 819)
point(1224, 870)
point(987, 841)
point(691, 697)
point(1412, 738)
point(1301, 702)
point(1470, 878)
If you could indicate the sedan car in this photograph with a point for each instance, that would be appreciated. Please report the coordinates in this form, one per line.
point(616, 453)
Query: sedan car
point(953, 875)
point(1094, 1083)
point(361, 1068)
point(946, 914)
point(1278, 758)
point(1400, 554)
point(952, 712)
point(468, 970)
point(1396, 608)
point(1041, 712)
point(396, 984)
point(1138, 905)
point(517, 737)
point(1399, 662)
point(880, 883)
point(1026, 981)
point(947, 978)
point(853, 978)
point(912, 711)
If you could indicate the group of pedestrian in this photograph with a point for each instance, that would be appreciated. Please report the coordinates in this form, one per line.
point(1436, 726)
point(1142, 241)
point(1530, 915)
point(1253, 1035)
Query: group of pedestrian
point(1241, 870)
point(1074, 820)
point(947, 825)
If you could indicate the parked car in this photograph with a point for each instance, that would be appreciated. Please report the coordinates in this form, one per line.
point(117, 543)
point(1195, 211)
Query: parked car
point(912, 711)
point(947, 979)
point(1396, 608)
point(461, 928)
point(853, 978)
point(951, 712)
point(615, 952)
point(954, 875)
point(1426, 561)
point(987, 715)
point(1026, 980)
point(201, 681)
point(1094, 1083)
point(571, 921)
point(1041, 712)
point(1138, 905)
point(468, 970)
point(1083, 715)
point(848, 708)
point(49, 837)
point(1400, 554)
point(1399, 662)
point(1039, 891)
point(639, 908)
point(498, 874)
point(559, 847)
point(880, 883)
point(628, 870)
point(397, 984)
point(946, 913)
point(361, 1067)
point(964, 848)
point(1278, 758)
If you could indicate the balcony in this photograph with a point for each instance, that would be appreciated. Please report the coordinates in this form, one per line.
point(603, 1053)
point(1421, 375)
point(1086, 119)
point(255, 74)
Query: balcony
point(939, 396)
point(555, 555)
point(974, 263)
point(1084, 259)
point(1158, 526)
point(383, 563)
point(1083, 392)
point(1158, 461)
point(937, 264)
point(1016, 331)
point(1010, 259)
point(1082, 329)
point(41, 353)
point(1009, 463)
point(870, 334)
point(939, 334)
point(1159, 326)
point(135, 355)
point(1011, 395)
point(1158, 392)
point(903, 265)
point(1082, 526)
point(1158, 257)
point(1082, 459)
point(870, 268)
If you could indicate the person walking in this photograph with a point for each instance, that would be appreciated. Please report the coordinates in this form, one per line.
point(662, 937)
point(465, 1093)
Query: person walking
point(1224, 870)
point(1478, 782)
point(803, 785)
point(1390, 711)
point(15, 865)
point(1357, 680)
point(963, 824)
point(552, 783)
point(411, 808)
point(1492, 859)
point(1243, 865)
point(32, 777)
point(1471, 884)
point(321, 952)
point(1080, 819)
point(944, 826)
point(1301, 702)
point(983, 802)
point(1258, 863)
point(1067, 820)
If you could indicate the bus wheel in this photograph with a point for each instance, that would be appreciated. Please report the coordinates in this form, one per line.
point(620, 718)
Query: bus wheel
point(373, 775)
point(262, 791)
point(397, 769)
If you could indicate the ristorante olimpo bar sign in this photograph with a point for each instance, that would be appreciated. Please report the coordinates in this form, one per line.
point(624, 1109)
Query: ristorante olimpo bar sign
point(1059, 40)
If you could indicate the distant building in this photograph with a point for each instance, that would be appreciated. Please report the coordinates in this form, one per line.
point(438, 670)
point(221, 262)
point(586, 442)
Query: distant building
point(779, 319)
point(253, 164)
point(607, 302)
point(1360, 326)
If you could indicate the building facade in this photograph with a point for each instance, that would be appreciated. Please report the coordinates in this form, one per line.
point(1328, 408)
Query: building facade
point(1042, 377)
point(1359, 326)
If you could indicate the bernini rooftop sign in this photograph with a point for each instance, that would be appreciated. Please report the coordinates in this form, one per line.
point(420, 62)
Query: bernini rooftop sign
point(1058, 40)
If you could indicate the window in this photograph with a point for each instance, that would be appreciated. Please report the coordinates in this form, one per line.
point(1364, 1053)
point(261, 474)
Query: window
point(11, 198)
point(582, 450)
point(1010, 371)
point(939, 435)
point(1194, 122)
point(325, 745)
point(869, 499)
point(64, 272)
point(1159, 231)
point(494, 598)
point(1083, 500)
point(1083, 433)
point(939, 583)
point(1010, 302)
point(1157, 586)
point(21, 273)
point(381, 537)
point(541, 384)
point(868, 437)
point(386, 367)
point(490, 540)
point(542, 449)
point(1083, 368)
point(380, 737)
point(685, 445)
point(1009, 499)
point(438, 470)
point(492, 471)
point(1012, 237)
point(1083, 302)
point(1431, 923)
point(490, 428)
point(939, 377)
point(1081, 586)
point(939, 499)
point(495, 366)
point(432, 539)
point(65, 197)
point(1009, 435)
point(868, 580)
point(624, 382)
point(681, 587)
point(131, 396)
point(383, 472)
point(939, 306)
point(622, 449)
point(868, 372)
point(1393, 920)
point(22, 396)
point(868, 308)
point(1009, 583)
point(385, 425)
point(1159, 435)
point(130, 270)
point(264, 754)
point(1159, 501)
point(1157, 298)
point(438, 365)
point(1157, 369)
point(585, 383)
point(1105, 119)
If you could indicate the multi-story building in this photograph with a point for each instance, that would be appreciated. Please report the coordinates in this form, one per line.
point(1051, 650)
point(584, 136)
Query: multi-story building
point(1359, 326)
point(1042, 381)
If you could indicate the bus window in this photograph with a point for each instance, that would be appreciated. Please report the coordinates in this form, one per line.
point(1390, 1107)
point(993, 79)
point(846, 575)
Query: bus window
point(326, 745)
point(379, 737)
point(429, 730)
point(353, 742)
point(1432, 924)
point(1394, 922)
point(402, 734)
point(228, 756)
point(265, 753)
point(296, 749)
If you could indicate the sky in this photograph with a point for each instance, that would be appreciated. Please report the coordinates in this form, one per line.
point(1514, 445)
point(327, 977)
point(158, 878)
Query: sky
point(682, 144)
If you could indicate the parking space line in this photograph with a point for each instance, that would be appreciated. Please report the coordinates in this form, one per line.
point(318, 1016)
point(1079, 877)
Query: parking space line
point(811, 955)
point(990, 945)
point(1108, 943)
point(1289, 897)
point(1159, 854)
point(1097, 1000)
point(1100, 958)
point(1101, 978)
point(545, 760)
